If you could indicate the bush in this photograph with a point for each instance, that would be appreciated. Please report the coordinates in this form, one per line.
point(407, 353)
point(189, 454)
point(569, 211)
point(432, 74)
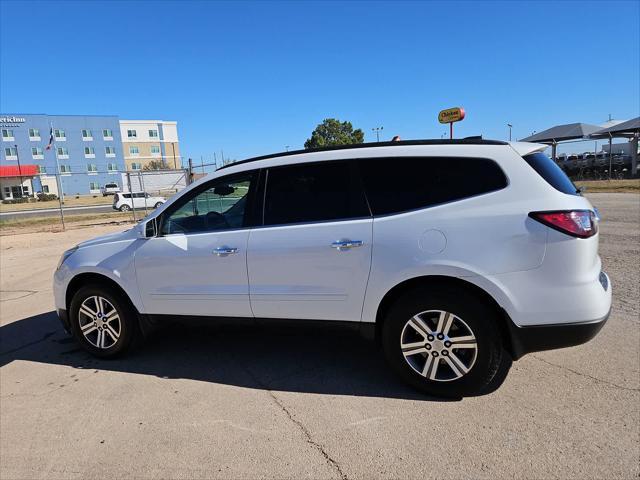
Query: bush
point(47, 197)
point(13, 201)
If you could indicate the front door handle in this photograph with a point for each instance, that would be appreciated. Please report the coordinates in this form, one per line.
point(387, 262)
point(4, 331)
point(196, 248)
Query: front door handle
point(224, 251)
point(346, 244)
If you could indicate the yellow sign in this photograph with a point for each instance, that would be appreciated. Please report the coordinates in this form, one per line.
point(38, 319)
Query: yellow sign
point(451, 115)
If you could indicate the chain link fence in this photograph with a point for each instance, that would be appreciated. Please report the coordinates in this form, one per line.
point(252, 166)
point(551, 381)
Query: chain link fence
point(61, 197)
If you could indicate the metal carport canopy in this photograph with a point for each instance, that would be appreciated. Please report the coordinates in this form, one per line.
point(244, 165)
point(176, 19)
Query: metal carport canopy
point(561, 133)
point(624, 129)
point(629, 129)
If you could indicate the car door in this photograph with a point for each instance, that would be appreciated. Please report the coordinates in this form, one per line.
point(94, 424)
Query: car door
point(310, 258)
point(196, 265)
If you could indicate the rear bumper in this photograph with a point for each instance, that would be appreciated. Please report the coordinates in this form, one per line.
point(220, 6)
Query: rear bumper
point(548, 337)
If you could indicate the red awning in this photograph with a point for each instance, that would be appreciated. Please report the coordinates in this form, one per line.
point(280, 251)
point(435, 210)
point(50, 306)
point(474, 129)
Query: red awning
point(13, 171)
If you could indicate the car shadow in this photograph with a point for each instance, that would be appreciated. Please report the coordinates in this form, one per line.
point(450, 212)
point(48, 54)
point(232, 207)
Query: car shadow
point(309, 359)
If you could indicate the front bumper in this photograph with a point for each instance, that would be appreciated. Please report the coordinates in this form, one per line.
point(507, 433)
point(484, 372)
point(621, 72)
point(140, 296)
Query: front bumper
point(536, 338)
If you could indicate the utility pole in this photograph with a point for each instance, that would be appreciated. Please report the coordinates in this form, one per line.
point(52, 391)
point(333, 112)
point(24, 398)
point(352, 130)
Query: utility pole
point(510, 126)
point(377, 130)
point(173, 146)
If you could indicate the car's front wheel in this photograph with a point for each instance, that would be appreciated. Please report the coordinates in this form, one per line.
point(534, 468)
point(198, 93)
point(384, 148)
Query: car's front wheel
point(102, 321)
point(442, 342)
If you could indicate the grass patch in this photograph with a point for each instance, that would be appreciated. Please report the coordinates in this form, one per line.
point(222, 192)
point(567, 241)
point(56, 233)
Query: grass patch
point(610, 186)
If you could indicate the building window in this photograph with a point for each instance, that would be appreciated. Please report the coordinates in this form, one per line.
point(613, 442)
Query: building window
point(42, 169)
point(132, 134)
point(110, 151)
point(107, 134)
point(136, 166)
point(153, 133)
point(87, 135)
point(155, 149)
point(133, 150)
point(112, 167)
point(89, 152)
point(92, 168)
point(45, 188)
point(94, 187)
point(65, 169)
point(37, 153)
point(59, 134)
point(11, 153)
point(34, 134)
point(63, 152)
point(7, 135)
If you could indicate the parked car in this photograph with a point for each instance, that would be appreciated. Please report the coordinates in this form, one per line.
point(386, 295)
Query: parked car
point(455, 255)
point(110, 189)
point(127, 200)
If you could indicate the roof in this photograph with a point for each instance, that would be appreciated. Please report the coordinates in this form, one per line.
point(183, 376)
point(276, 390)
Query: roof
point(13, 171)
point(401, 143)
point(559, 133)
point(627, 128)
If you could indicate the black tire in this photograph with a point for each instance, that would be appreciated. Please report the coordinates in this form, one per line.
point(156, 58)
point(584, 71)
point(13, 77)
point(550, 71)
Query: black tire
point(478, 315)
point(157, 205)
point(128, 331)
point(125, 208)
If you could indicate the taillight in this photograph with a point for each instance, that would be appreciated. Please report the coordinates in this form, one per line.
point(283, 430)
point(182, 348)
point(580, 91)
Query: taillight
point(577, 223)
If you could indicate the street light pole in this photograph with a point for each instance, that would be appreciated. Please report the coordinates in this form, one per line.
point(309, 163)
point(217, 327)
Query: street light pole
point(377, 130)
point(510, 126)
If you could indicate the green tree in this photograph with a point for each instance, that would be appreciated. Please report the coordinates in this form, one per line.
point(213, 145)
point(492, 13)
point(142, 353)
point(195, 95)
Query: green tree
point(334, 132)
point(155, 165)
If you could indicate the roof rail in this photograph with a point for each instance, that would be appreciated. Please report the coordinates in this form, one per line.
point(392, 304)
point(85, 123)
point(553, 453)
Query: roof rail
point(456, 141)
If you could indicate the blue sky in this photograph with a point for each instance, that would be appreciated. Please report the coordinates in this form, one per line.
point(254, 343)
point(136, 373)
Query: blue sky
point(252, 77)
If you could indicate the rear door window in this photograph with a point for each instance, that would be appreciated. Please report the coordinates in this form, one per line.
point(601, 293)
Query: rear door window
point(313, 192)
point(551, 172)
point(400, 184)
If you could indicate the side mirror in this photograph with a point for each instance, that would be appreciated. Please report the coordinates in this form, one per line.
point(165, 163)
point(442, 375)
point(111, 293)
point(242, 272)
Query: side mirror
point(149, 228)
point(223, 190)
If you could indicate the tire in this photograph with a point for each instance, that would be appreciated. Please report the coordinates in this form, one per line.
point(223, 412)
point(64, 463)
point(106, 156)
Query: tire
point(157, 205)
point(125, 208)
point(472, 318)
point(118, 335)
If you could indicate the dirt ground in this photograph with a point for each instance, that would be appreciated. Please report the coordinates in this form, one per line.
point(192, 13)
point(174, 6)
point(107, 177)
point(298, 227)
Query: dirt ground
point(241, 402)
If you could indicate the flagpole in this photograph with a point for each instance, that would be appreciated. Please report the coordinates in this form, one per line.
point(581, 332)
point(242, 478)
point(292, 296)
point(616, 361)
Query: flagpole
point(58, 179)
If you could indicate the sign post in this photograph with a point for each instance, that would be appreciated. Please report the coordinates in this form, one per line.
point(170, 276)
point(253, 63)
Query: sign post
point(451, 115)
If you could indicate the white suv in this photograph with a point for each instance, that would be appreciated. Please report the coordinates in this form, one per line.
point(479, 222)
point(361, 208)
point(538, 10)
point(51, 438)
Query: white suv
point(127, 200)
point(455, 255)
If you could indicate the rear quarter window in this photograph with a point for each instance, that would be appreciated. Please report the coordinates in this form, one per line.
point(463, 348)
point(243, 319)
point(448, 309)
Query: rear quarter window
point(400, 184)
point(551, 172)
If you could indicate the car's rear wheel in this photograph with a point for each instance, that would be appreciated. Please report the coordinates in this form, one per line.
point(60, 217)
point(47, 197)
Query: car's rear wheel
point(125, 208)
point(443, 343)
point(157, 205)
point(102, 321)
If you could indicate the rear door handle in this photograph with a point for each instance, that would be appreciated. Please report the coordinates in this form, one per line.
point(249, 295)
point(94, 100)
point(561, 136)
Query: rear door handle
point(346, 244)
point(224, 251)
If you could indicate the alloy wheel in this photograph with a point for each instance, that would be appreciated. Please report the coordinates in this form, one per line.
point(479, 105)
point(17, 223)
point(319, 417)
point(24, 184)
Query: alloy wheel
point(439, 345)
point(99, 322)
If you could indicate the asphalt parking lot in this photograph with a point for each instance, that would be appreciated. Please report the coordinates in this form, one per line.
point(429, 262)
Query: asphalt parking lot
point(252, 402)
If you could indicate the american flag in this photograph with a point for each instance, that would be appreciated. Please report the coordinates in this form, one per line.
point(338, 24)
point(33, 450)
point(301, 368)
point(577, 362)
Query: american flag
point(50, 139)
